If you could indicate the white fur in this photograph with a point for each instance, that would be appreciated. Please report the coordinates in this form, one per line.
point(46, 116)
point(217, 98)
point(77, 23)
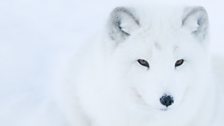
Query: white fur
point(107, 86)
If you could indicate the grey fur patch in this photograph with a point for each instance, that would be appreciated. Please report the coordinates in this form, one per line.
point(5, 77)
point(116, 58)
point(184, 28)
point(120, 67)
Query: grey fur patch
point(157, 46)
point(201, 16)
point(116, 31)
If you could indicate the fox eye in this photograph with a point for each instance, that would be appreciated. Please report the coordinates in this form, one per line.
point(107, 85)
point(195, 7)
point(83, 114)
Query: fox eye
point(179, 62)
point(143, 63)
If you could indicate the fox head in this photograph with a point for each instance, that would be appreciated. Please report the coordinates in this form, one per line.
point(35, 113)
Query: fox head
point(161, 55)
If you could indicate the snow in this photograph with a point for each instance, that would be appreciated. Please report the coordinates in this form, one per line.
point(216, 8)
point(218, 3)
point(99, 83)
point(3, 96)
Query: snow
point(37, 37)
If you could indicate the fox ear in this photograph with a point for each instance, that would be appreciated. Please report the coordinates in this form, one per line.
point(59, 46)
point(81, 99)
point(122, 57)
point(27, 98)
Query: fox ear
point(122, 23)
point(195, 20)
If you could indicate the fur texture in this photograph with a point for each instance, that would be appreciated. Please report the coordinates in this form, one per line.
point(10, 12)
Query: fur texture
point(109, 86)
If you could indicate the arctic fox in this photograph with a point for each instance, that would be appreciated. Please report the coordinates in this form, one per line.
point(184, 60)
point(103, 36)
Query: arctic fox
point(150, 68)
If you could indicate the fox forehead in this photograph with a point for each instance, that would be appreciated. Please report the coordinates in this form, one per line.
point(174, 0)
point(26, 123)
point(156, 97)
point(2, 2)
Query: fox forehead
point(152, 41)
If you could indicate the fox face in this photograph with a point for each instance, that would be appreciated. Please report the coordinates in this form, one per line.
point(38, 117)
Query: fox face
point(158, 55)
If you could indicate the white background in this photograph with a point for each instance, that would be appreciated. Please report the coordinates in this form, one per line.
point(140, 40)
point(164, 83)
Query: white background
point(36, 35)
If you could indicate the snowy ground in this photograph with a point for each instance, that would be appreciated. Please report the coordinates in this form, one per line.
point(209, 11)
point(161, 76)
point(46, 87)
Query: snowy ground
point(36, 35)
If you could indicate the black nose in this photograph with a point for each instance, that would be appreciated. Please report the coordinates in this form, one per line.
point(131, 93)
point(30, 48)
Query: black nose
point(166, 100)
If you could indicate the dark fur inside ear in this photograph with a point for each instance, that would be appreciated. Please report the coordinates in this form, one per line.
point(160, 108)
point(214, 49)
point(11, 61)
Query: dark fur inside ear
point(195, 19)
point(122, 23)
